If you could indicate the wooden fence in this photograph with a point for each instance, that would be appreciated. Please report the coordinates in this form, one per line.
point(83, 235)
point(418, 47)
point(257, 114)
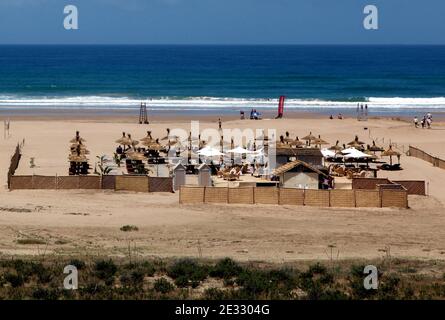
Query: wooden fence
point(435, 161)
point(108, 182)
point(397, 198)
point(15, 159)
point(414, 187)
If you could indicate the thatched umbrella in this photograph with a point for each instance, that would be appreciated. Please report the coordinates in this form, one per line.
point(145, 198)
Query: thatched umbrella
point(391, 153)
point(132, 142)
point(309, 138)
point(77, 138)
point(155, 146)
point(287, 138)
point(355, 144)
point(136, 156)
point(319, 141)
point(356, 141)
point(374, 148)
point(296, 142)
point(147, 138)
point(167, 136)
point(123, 140)
point(281, 143)
point(336, 147)
point(77, 158)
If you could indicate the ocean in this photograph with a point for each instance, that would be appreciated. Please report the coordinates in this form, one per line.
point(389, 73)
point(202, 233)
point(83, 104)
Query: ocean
point(391, 80)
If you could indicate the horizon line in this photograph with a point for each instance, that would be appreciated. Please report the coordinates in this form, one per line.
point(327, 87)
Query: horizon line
point(221, 44)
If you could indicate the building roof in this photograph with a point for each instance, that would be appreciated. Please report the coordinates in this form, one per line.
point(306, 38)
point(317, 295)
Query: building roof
point(290, 165)
point(295, 152)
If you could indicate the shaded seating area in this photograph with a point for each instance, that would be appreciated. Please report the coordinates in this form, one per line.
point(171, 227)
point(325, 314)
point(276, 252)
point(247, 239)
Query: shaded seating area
point(77, 157)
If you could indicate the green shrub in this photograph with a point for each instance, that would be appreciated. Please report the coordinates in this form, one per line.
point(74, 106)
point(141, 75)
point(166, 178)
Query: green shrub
point(133, 278)
point(214, 294)
point(226, 268)
point(164, 286)
point(316, 282)
point(45, 294)
point(15, 280)
point(389, 287)
point(356, 278)
point(105, 269)
point(187, 272)
point(79, 264)
point(129, 228)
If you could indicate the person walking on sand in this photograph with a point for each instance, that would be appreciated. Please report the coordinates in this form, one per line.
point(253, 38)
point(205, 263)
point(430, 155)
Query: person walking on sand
point(428, 122)
point(416, 122)
point(219, 124)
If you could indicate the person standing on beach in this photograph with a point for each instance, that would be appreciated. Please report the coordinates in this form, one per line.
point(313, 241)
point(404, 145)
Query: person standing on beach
point(416, 122)
point(219, 124)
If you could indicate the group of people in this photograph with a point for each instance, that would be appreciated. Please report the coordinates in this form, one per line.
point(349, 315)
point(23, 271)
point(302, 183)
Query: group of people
point(426, 121)
point(254, 115)
point(340, 116)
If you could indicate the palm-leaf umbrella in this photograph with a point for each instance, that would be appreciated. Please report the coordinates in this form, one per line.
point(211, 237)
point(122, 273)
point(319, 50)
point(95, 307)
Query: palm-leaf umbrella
point(391, 153)
point(374, 148)
point(124, 140)
point(147, 138)
point(336, 147)
point(309, 138)
point(136, 156)
point(77, 158)
point(356, 141)
point(319, 141)
point(77, 138)
point(167, 136)
point(297, 142)
point(287, 138)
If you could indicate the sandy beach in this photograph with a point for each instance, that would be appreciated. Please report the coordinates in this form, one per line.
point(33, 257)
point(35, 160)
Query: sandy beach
point(88, 222)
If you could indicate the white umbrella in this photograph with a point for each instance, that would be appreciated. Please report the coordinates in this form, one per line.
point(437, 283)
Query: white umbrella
point(210, 152)
point(356, 154)
point(328, 153)
point(239, 150)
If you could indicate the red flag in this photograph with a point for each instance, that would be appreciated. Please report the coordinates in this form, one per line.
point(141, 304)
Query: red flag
point(281, 107)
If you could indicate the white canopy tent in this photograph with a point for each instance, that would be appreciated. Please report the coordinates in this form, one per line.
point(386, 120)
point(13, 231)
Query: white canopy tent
point(210, 152)
point(352, 153)
point(239, 150)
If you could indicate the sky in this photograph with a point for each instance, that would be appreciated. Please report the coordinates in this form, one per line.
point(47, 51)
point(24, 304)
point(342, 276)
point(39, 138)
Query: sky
point(222, 22)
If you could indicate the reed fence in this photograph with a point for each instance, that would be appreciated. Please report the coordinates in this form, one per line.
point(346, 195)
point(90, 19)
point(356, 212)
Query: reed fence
point(397, 198)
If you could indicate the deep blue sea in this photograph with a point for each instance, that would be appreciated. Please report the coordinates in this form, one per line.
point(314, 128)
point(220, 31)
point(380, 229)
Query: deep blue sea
point(389, 79)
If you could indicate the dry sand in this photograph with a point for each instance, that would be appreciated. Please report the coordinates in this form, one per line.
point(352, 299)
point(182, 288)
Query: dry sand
point(88, 222)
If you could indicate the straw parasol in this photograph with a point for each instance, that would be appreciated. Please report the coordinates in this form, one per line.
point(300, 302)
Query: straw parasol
point(155, 146)
point(296, 142)
point(77, 158)
point(336, 147)
point(355, 142)
point(77, 138)
point(167, 136)
point(122, 140)
point(136, 156)
point(374, 148)
point(281, 143)
point(288, 139)
point(147, 138)
point(319, 141)
point(309, 138)
point(391, 153)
